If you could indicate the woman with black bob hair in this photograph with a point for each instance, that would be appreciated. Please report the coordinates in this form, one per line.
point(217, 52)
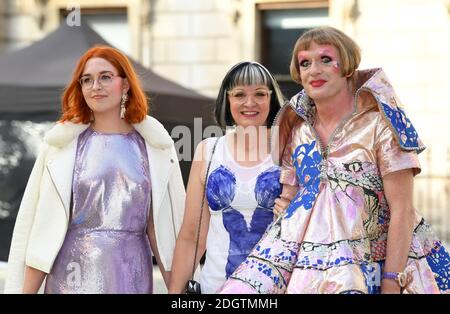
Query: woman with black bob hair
point(246, 73)
point(234, 187)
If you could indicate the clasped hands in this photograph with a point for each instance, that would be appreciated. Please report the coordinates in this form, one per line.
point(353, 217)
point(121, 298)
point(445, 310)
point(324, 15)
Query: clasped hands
point(284, 200)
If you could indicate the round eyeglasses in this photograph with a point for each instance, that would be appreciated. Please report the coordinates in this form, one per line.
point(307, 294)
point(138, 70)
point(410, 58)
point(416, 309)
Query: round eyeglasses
point(240, 97)
point(104, 80)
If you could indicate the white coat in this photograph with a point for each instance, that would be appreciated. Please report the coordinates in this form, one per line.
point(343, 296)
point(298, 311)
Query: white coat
point(43, 216)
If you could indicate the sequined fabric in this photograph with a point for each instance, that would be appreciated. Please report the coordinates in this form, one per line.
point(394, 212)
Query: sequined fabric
point(333, 236)
point(106, 249)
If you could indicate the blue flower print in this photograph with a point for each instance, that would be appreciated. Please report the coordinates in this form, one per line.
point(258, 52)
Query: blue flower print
point(406, 132)
point(439, 261)
point(308, 169)
point(220, 188)
point(306, 162)
point(268, 187)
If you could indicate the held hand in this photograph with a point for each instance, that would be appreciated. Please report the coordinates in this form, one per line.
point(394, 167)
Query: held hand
point(280, 206)
point(284, 200)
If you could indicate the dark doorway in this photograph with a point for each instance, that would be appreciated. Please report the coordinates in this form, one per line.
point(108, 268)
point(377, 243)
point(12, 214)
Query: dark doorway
point(280, 29)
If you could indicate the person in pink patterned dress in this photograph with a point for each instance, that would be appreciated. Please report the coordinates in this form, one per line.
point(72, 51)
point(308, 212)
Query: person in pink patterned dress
point(348, 146)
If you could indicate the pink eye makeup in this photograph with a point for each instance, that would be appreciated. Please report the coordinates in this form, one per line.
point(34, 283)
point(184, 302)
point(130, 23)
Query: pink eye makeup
point(324, 56)
point(328, 57)
point(325, 60)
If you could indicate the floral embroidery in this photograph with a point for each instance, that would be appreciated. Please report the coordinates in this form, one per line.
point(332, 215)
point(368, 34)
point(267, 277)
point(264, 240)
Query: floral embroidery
point(406, 133)
point(306, 161)
point(221, 191)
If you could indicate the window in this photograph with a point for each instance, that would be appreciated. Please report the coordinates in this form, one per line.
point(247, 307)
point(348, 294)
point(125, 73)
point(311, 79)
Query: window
point(279, 30)
point(109, 23)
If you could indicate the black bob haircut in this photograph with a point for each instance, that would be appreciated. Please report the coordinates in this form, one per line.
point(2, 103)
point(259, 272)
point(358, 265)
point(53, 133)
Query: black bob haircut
point(246, 73)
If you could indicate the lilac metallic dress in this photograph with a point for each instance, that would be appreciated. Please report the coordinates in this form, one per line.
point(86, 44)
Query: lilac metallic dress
point(106, 248)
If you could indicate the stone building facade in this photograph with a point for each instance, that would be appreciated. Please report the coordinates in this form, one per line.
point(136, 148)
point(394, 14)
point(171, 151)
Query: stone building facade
point(194, 42)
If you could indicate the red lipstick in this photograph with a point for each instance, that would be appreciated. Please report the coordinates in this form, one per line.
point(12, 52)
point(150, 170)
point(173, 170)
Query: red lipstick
point(317, 83)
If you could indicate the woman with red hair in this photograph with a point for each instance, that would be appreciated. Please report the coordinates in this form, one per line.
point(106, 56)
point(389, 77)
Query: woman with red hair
point(105, 192)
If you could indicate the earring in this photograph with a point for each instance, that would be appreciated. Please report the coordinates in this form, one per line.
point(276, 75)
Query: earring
point(122, 105)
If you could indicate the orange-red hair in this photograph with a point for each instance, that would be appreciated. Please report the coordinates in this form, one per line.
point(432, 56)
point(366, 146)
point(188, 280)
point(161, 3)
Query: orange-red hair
point(74, 106)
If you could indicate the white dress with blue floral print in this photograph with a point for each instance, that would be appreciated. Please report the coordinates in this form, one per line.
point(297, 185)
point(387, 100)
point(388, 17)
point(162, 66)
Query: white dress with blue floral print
point(241, 201)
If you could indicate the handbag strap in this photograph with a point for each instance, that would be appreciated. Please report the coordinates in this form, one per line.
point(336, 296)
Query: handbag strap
point(201, 209)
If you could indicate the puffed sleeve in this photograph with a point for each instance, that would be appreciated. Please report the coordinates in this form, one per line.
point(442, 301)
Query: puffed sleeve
point(390, 156)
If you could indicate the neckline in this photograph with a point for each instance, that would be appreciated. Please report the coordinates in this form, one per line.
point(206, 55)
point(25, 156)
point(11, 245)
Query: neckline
point(112, 133)
point(230, 157)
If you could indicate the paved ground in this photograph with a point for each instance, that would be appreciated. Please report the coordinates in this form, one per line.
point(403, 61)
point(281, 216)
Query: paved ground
point(158, 283)
point(2, 275)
